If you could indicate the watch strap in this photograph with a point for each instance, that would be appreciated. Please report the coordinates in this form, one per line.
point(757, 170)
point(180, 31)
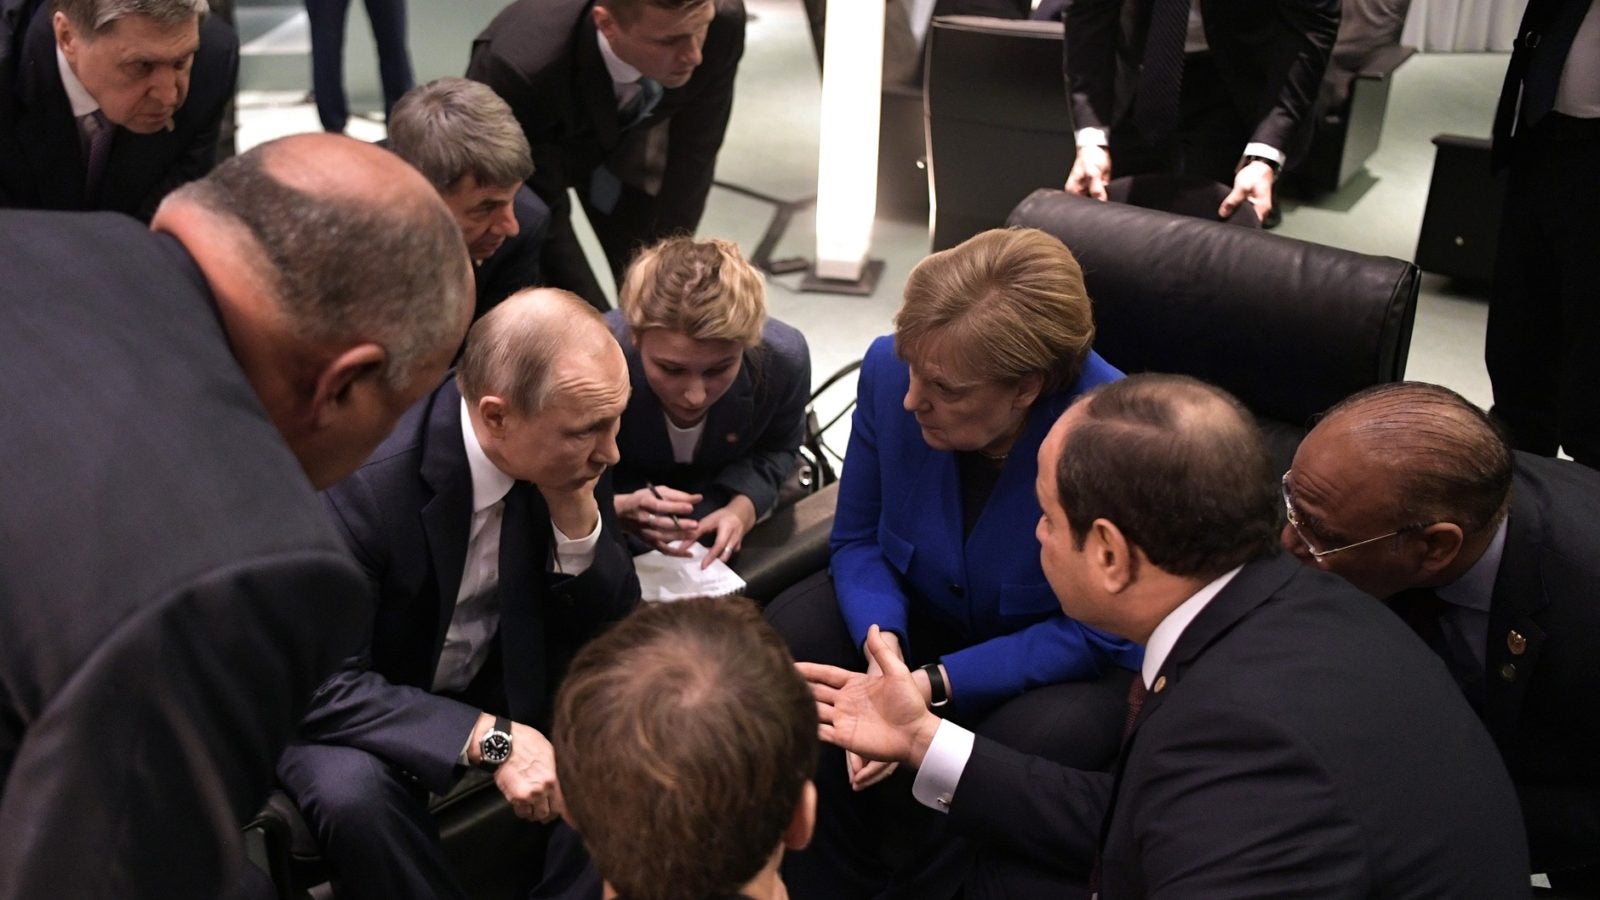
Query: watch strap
point(938, 691)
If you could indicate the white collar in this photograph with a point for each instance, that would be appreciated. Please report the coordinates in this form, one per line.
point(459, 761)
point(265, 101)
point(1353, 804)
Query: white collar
point(621, 72)
point(1475, 589)
point(1165, 637)
point(489, 484)
point(83, 103)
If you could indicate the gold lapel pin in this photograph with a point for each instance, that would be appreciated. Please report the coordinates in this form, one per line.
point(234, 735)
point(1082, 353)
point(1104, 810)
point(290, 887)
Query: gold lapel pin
point(1160, 685)
point(1516, 643)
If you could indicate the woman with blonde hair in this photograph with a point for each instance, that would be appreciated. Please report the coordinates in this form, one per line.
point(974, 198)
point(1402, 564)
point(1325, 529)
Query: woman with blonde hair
point(716, 418)
point(933, 542)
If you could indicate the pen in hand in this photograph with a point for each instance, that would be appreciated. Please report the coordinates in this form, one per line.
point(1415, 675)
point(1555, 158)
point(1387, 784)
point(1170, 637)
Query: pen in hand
point(657, 494)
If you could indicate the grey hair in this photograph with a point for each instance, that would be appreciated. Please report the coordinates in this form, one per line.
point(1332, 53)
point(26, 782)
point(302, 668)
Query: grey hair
point(95, 16)
point(451, 127)
point(512, 349)
point(343, 269)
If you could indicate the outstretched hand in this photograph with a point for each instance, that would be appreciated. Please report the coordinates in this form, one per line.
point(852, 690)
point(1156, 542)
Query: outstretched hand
point(881, 717)
point(1253, 183)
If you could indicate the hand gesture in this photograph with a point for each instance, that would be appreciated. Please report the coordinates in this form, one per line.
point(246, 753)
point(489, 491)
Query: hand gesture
point(1253, 182)
point(649, 513)
point(573, 510)
point(528, 778)
point(880, 717)
point(1091, 169)
point(729, 524)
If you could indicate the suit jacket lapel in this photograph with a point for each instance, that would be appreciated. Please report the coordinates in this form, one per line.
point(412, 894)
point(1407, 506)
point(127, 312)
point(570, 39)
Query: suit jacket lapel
point(597, 100)
point(728, 421)
point(1515, 639)
point(447, 518)
point(52, 147)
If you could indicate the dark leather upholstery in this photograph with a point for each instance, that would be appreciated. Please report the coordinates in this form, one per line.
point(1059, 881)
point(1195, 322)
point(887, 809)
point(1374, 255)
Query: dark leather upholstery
point(1289, 327)
point(788, 546)
point(998, 122)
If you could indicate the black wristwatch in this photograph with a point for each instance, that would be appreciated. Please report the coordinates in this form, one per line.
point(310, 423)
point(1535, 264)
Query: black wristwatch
point(939, 693)
point(495, 748)
point(1271, 163)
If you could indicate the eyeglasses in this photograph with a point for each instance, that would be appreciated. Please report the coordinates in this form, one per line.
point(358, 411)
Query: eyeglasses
point(1322, 555)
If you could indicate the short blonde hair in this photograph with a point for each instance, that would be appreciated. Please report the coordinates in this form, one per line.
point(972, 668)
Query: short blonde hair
point(704, 289)
point(1010, 299)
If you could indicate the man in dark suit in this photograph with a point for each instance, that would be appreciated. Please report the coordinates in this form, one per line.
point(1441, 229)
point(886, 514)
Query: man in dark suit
point(485, 522)
point(1221, 89)
point(596, 85)
point(1493, 556)
point(171, 592)
point(462, 137)
point(101, 109)
point(1285, 738)
point(1544, 311)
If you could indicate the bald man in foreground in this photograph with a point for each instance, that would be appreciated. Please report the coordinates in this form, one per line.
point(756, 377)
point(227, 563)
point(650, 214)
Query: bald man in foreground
point(170, 591)
point(486, 522)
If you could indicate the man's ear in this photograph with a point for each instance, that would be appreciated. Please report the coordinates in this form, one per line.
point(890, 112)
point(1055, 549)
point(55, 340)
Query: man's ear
point(67, 37)
point(1028, 390)
point(1111, 557)
point(604, 21)
point(798, 833)
point(348, 382)
point(1441, 543)
point(493, 410)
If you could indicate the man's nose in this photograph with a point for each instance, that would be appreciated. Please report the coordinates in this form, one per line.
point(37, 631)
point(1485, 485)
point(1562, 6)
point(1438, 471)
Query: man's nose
point(606, 452)
point(506, 224)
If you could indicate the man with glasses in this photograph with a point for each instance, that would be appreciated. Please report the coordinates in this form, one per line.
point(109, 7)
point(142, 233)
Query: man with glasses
point(1493, 557)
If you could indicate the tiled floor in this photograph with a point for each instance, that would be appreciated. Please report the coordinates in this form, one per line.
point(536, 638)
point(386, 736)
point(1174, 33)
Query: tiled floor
point(771, 147)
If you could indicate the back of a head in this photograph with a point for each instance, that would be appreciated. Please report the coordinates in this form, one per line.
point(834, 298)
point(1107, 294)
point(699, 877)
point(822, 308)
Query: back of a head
point(1179, 466)
point(684, 740)
point(704, 289)
point(512, 350)
point(1449, 460)
point(95, 16)
point(348, 252)
point(453, 127)
point(1012, 300)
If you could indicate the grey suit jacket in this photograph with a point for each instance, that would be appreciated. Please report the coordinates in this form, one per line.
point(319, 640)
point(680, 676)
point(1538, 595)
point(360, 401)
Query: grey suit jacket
point(170, 590)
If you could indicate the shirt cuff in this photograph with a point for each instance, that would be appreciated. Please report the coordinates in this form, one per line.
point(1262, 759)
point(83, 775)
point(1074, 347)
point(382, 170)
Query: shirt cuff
point(1265, 151)
point(574, 556)
point(946, 759)
point(1090, 137)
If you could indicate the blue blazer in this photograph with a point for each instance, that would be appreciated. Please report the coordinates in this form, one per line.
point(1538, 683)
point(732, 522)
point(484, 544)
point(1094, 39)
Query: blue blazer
point(753, 433)
point(897, 540)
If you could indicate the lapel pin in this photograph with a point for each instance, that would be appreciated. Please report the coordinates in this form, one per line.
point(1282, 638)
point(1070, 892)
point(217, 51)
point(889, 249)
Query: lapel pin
point(1508, 672)
point(732, 438)
point(1160, 685)
point(1516, 643)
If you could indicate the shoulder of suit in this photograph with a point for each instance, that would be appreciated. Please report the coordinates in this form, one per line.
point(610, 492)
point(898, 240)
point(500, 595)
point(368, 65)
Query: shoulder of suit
point(785, 341)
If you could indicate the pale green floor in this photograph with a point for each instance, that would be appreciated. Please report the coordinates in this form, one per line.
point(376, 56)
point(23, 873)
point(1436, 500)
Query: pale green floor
point(771, 147)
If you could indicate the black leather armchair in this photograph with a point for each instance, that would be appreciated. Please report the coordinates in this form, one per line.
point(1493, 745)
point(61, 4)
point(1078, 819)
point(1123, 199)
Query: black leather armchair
point(1289, 327)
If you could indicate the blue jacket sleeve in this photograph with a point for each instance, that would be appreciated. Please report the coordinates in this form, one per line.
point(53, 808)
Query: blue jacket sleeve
point(1057, 650)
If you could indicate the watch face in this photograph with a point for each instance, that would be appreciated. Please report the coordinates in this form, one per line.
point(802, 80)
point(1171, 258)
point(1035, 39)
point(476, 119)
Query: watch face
point(496, 747)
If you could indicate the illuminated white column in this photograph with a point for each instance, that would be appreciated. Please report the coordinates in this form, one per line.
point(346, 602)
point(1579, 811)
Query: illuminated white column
point(847, 166)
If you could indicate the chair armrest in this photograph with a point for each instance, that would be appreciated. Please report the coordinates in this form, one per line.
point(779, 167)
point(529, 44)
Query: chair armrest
point(1462, 140)
point(787, 547)
point(1384, 61)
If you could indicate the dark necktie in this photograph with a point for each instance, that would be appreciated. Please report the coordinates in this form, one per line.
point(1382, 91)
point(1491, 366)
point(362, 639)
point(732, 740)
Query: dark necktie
point(1155, 101)
point(1424, 611)
point(639, 107)
point(521, 631)
point(96, 151)
point(1136, 694)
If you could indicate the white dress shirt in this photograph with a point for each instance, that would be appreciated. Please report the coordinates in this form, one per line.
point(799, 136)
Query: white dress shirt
point(946, 759)
point(83, 103)
point(477, 614)
point(1469, 597)
point(624, 78)
point(1578, 92)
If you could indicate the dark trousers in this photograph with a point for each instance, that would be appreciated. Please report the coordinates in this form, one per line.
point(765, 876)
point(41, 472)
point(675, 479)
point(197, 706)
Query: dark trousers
point(881, 842)
point(1211, 132)
point(1543, 342)
point(327, 55)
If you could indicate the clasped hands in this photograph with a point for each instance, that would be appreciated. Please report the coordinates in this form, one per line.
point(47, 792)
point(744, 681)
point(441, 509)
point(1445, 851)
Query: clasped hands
point(660, 514)
point(1252, 181)
point(528, 778)
point(880, 718)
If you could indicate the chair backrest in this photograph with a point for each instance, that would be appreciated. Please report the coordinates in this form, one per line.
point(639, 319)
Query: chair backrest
point(1289, 327)
point(997, 120)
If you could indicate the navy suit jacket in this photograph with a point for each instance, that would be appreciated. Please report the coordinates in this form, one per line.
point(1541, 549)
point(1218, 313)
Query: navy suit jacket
point(41, 164)
point(752, 435)
point(1299, 742)
point(406, 515)
point(1271, 56)
point(1543, 661)
point(897, 540)
point(171, 592)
